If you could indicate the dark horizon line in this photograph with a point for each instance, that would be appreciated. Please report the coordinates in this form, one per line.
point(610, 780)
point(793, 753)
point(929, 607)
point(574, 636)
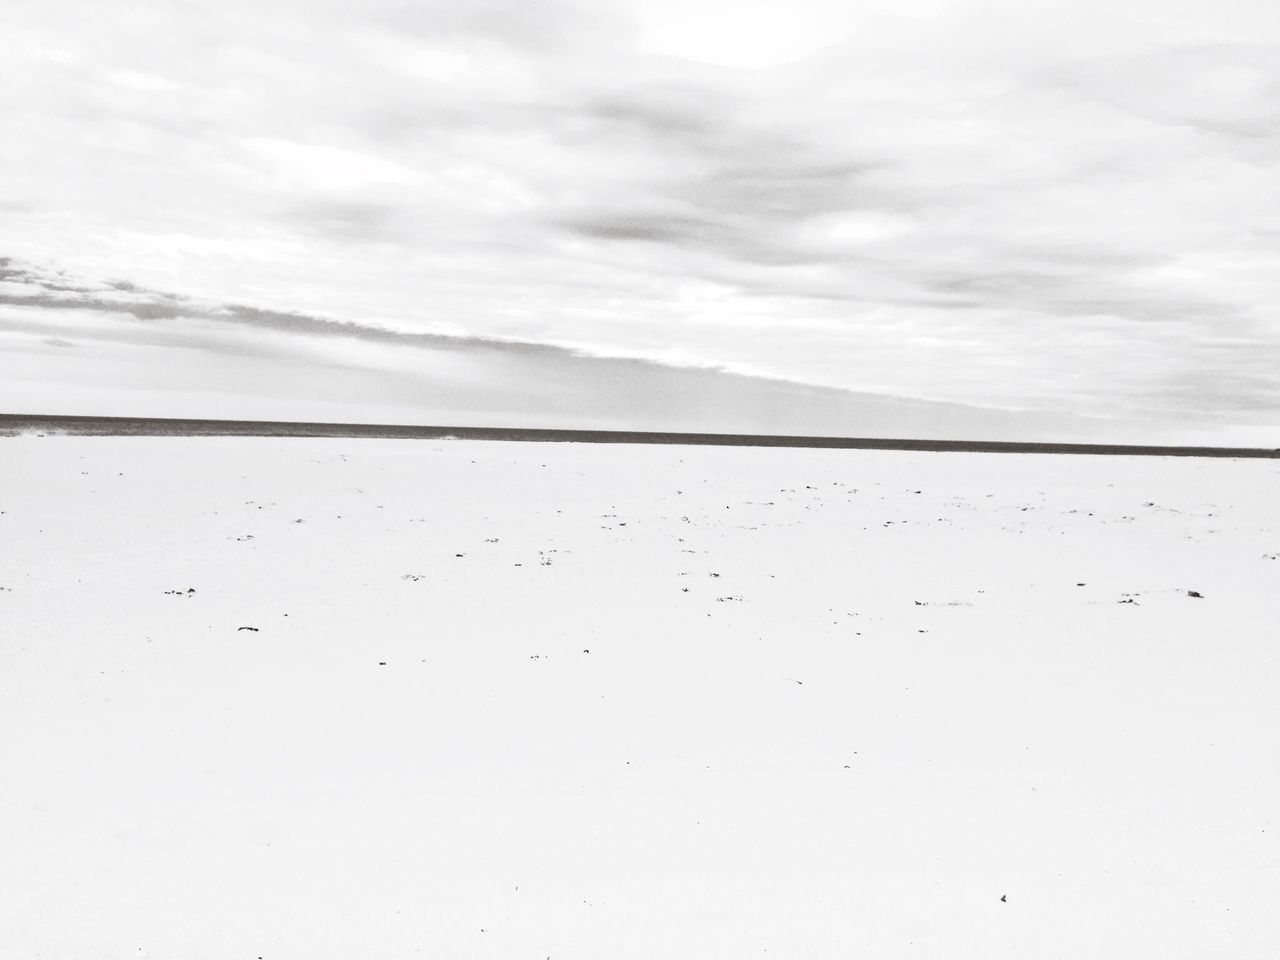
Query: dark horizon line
point(11, 424)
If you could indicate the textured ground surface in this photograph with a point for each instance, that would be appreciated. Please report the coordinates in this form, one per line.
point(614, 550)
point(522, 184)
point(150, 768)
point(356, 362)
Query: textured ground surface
point(366, 698)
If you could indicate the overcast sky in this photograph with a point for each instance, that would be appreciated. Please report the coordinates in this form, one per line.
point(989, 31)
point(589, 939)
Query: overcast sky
point(1055, 206)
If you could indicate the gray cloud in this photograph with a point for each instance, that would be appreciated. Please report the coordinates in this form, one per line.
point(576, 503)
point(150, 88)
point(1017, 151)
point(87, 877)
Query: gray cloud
point(297, 359)
point(348, 220)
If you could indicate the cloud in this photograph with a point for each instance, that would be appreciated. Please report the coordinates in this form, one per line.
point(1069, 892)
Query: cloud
point(1053, 207)
point(144, 353)
point(1231, 90)
point(547, 27)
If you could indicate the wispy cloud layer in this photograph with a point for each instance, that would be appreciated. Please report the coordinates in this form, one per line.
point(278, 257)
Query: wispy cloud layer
point(1043, 206)
point(71, 346)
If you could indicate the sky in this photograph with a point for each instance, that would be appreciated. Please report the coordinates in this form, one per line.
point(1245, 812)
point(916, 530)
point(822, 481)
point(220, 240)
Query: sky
point(1068, 211)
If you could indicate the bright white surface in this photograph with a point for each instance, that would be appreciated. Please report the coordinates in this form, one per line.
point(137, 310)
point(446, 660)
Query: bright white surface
point(911, 710)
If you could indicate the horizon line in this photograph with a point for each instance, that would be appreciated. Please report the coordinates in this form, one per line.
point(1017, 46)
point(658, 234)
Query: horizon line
point(13, 424)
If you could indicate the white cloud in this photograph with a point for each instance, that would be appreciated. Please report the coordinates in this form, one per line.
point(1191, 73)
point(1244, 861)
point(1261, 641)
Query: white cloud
point(1046, 205)
point(327, 168)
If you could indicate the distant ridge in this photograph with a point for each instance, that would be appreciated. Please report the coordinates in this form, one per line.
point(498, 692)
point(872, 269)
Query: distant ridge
point(12, 424)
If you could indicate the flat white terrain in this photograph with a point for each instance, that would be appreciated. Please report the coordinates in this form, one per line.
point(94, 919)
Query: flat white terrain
point(299, 699)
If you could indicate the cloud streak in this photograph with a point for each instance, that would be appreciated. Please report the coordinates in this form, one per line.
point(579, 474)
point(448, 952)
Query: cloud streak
point(147, 353)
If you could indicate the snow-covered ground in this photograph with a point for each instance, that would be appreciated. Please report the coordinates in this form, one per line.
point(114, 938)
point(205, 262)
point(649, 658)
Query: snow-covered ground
point(299, 699)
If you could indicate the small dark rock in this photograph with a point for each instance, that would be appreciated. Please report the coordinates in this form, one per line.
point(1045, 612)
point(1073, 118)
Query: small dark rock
point(1195, 593)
